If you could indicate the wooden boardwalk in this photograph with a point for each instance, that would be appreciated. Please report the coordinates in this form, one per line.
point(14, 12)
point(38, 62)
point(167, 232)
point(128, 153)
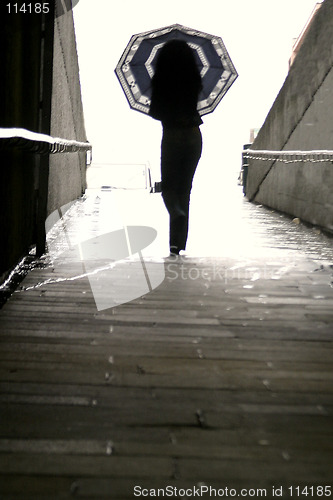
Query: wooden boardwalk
point(220, 377)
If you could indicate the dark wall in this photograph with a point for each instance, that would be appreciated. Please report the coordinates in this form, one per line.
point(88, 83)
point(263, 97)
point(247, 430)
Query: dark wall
point(20, 37)
point(20, 48)
point(39, 91)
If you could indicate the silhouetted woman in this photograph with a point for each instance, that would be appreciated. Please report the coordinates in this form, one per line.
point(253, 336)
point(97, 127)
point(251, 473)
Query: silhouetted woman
point(176, 85)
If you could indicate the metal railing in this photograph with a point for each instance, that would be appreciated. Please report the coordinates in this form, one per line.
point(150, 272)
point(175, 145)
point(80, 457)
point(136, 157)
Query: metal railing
point(39, 143)
point(316, 156)
point(42, 146)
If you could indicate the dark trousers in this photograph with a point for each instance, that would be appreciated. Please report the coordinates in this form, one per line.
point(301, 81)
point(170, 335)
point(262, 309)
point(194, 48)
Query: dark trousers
point(180, 154)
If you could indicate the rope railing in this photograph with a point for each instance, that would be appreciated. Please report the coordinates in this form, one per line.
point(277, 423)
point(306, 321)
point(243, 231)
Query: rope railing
point(39, 143)
point(315, 156)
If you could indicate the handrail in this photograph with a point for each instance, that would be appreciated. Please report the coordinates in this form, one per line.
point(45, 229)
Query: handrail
point(316, 156)
point(39, 143)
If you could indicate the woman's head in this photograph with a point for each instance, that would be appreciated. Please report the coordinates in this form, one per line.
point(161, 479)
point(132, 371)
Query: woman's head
point(176, 55)
point(176, 84)
point(176, 68)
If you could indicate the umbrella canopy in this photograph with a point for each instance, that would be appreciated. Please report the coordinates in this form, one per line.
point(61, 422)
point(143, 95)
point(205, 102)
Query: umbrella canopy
point(136, 66)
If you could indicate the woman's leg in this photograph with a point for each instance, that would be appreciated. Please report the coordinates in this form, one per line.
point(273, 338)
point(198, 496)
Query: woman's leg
point(178, 220)
point(181, 151)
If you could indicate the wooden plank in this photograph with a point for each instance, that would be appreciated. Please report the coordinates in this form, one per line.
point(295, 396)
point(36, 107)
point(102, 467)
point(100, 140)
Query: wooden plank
point(57, 465)
point(114, 396)
point(246, 360)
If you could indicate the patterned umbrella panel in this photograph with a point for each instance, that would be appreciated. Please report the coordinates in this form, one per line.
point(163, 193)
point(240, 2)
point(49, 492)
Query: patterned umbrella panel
point(136, 66)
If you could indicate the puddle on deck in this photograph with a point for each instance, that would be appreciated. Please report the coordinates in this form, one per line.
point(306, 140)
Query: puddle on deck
point(93, 238)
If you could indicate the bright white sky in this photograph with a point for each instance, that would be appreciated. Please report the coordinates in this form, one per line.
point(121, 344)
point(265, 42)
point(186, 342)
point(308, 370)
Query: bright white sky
point(258, 35)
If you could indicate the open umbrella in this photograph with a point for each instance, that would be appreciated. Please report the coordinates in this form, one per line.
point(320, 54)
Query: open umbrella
point(136, 66)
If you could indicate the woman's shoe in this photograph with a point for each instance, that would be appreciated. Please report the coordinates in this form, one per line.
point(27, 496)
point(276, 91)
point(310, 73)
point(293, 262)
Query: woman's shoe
point(174, 251)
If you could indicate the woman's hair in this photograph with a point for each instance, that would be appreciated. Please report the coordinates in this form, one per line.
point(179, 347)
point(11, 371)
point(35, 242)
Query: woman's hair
point(176, 83)
point(176, 68)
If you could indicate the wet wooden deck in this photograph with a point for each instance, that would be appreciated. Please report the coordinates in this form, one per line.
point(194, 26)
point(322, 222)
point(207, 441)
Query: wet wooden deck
point(221, 377)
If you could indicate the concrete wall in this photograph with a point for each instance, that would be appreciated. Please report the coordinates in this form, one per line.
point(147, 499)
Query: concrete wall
point(31, 187)
point(20, 49)
point(301, 118)
point(67, 175)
